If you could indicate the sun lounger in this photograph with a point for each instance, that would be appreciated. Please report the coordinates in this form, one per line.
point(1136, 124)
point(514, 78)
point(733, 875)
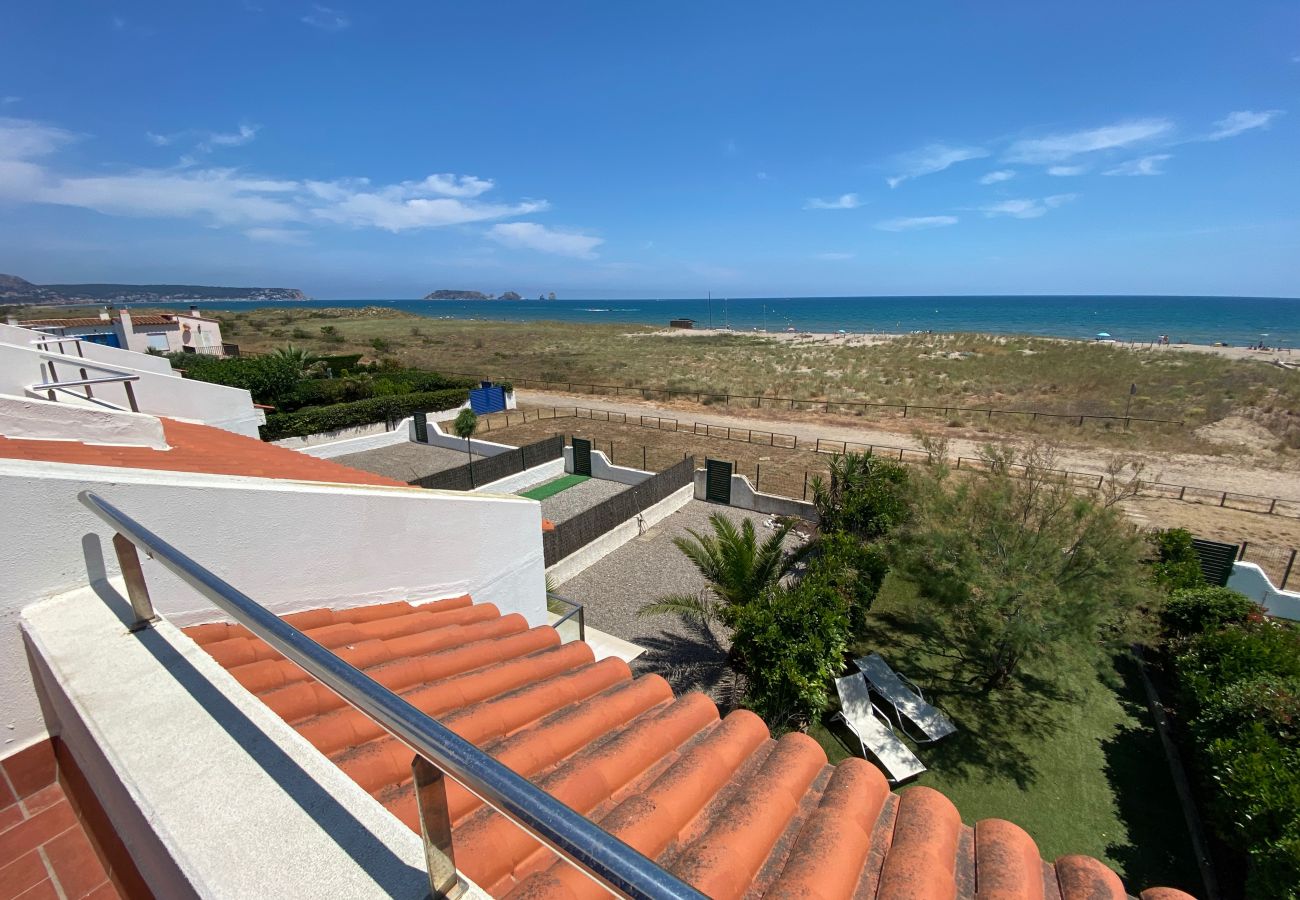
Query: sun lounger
point(906, 699)
point(873, 730)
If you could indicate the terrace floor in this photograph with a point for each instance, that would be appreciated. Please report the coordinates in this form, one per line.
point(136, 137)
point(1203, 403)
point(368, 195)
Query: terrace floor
point(642, 570)
point(579, 498)
point(406, 461)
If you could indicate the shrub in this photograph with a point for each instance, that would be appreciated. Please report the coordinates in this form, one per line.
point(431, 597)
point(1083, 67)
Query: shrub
point(1176, 565)
point(270, 379)
point(790, 643)
point(856, 570)
point(865, 495)
point(362, 412)
point(1191, 611)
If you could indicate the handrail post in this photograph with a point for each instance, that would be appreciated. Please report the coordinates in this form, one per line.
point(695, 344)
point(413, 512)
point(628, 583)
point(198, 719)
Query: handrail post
point(128, 560)
point(435, 829)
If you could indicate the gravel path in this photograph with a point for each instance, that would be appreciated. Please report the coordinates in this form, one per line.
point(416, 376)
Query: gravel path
point(579, 498)
point(642, 570)
point(407, 461)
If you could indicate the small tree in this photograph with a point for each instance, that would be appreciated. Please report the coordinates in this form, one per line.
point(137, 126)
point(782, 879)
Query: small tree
point(736, 566)
point(464, 426)
point(1013, 568)
point(1176, 566)
point(864, 496)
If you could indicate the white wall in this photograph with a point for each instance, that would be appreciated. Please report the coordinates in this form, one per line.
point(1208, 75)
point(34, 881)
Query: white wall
point(522, 481)
point(590, 554)
point(440, 438)
point(743, 496)
point(110, 356)
point(1251, 580)
point(43, 420)
point(602, 468)
point(329, 444)
point(289, 545)
point(160, 395)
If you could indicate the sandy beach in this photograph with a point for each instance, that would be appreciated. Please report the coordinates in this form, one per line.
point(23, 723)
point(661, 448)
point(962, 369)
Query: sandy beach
point(1275, 355)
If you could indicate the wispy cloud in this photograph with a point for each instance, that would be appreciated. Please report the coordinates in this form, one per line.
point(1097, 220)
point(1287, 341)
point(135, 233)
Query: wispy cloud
point(1235, 123)
point(204, 141)
point(1000, 175)
point(244, 135)
point(237, 198)
point(326, 19)
point(1026, 209)
point(1066, 171)
point(930, 159)
point(1061, 147)
point(843, 201)
point(532, 236)
point(1146, 165)
point(915, 223)
point(6, 101)
point(289, 236)
point(835, 257)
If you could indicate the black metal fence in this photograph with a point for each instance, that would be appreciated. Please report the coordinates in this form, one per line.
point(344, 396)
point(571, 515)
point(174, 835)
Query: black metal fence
point(491, 468)
point(582, 529)
point(902, 410)
point(1277, 562)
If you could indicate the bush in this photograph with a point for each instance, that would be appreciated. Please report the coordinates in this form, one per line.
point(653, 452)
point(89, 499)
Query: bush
point(1176, 565)
point(270, 379)
point(317, 419)
point(1191, 611)
point(791, 643)
point(855, 569)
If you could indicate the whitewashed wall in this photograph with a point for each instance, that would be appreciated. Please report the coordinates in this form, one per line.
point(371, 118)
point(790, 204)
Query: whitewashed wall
point(289, 545)
point(1251, 580)
point(110, 356)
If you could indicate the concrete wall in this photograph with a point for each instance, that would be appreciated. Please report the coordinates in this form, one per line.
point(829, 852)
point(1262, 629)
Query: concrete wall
point(156, 394)
point(611, 540)
point(329, 444)
point(440, 438)
point(289, 545)
point(522, 481)
point(602, 468)
point(1251, 580)
point(26, 418)
point(743, 496)
point(110, 356)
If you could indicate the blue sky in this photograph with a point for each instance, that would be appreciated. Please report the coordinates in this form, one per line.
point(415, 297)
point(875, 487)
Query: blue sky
point(664, 149)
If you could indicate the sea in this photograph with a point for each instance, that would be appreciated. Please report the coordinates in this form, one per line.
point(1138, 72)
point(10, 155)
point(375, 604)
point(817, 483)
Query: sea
point(1237, 321)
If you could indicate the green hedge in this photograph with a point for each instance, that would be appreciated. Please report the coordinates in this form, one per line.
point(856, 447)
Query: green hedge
point(1239, 693)
point(363, 412)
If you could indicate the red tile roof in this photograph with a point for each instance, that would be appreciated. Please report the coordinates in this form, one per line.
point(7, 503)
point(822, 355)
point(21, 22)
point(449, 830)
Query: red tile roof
point(90, 321)
point(715, 800)
point(197, 448)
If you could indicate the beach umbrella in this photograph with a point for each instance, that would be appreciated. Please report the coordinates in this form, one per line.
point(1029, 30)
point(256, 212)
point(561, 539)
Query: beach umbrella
point(1101, 334)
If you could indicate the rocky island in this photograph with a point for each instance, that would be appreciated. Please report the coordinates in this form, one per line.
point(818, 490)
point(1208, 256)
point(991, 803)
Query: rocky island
point(19, 291)
point(475, 295)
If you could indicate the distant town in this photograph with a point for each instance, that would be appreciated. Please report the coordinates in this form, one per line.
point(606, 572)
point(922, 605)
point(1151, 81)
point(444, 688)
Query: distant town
point(17, 291)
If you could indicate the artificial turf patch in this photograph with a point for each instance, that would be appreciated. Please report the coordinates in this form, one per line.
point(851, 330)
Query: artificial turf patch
point(551, 488)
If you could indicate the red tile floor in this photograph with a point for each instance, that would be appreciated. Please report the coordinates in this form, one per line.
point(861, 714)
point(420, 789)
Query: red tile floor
point(46, 850)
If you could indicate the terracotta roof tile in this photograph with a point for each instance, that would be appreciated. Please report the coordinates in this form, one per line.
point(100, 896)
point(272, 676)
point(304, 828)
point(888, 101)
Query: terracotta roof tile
point(718, 802)
point(197, 448)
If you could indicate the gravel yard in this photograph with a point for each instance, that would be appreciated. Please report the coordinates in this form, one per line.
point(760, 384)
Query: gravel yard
point(579, 498)
point(407, 461)
point(642, 570)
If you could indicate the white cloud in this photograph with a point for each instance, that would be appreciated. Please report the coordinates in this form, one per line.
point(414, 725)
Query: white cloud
point(5, 101)
point(27, 139)
point(237, 198)
point(1000, 175)
point(1146, 165)
point(1066, 171)
point(833, 257)
point(843, 201)
point(244, 135)
point(289, 236)
point(532, 236)
point(326, 19)
point(1235, 123)
point(913, 223)
point(159, 140)
point(930, 159)
point(1061, 147)
point(1026, 209)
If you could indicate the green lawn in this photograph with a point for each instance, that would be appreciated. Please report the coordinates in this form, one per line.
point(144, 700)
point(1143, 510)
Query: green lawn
point(1069, 754)
point(551, 488)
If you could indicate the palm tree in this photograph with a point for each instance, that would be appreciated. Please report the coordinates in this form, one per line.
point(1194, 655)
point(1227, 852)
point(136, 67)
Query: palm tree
point(464, 427)
point(736, 566)
point(309, 365)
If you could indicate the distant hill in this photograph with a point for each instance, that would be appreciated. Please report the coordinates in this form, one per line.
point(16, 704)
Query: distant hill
point(15, 290)
point(458, 295)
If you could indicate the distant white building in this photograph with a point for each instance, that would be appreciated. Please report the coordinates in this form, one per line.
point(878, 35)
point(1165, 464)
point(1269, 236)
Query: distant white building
point(165, 332)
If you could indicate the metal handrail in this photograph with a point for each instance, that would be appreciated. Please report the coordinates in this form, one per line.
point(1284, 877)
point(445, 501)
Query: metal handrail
point(80, 382)
point(577, 840)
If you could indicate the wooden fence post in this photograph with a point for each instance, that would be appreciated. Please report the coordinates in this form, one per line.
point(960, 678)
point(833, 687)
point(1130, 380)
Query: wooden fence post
point(1287, 574)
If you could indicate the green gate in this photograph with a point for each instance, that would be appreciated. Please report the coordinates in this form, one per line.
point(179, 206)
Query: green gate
point(581, 456)
point(717, 484)
point(422, 428)
point(1216, 560)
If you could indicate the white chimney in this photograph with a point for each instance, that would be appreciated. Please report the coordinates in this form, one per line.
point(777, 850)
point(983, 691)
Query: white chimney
point(105, 314)
point(194, 311)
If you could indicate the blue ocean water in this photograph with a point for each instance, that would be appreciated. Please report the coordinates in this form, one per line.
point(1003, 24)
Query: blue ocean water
point(1199, 320)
